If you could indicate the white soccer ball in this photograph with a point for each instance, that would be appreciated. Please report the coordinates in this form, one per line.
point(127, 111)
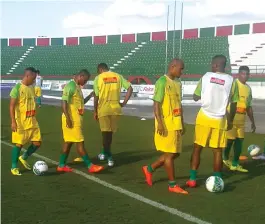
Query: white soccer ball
point(101, 157)
point(39, 168)
point(214, 184)
point(254, 150)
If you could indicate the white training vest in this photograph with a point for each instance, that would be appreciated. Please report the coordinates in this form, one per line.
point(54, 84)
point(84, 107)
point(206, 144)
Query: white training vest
point(39, 81)
point(215, 93)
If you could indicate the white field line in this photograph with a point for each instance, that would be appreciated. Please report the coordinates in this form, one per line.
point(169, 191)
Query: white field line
point(130, 194)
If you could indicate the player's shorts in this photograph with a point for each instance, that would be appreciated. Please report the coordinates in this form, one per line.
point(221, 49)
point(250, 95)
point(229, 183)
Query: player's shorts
point(171, 143)
point(74, 134)
point(207, 136)
point(236, 132)
point(108, 123)
point(23, 137)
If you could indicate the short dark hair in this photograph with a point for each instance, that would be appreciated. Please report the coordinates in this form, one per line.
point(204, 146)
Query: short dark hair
point(38, 71)
point(85, 71)
point(31, 69)
point(219, 59)
point(244, 68)
point(103, 66)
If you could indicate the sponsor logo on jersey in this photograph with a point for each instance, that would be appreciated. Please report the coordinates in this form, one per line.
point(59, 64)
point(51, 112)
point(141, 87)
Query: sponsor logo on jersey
point(217, 81)
point(110, 80)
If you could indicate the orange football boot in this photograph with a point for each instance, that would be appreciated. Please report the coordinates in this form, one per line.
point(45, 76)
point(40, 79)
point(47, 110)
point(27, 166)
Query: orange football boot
point(66, 169)
point(95, 168)
point(191, 183)
point(148, 176)
point(177, 189)
point(242, 158)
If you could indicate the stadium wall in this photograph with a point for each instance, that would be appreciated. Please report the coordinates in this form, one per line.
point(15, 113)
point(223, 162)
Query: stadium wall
point(238, 29)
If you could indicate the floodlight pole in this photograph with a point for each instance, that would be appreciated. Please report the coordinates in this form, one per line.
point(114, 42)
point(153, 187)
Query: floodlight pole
point(181, 30)
point(174, 29)
point(167, 40)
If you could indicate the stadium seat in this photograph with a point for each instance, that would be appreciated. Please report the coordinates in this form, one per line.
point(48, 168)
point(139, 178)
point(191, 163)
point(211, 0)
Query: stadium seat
point(142, 58)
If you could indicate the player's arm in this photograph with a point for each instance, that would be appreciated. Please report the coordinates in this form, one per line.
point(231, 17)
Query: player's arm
point(68, 93)
point(12, 106)
point(182, 113)
point(158, 99)
point(234, 98)
point(126, 85)
point(96, 98)
point(250, 112)
point(89, 97)
point(197, 92)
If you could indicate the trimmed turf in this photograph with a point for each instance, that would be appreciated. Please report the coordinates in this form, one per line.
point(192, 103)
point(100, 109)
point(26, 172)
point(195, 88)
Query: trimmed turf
point(69, 198)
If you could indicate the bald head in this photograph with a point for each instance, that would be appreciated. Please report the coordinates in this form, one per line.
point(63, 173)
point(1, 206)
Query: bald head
point(218, 63)
point(175, 67)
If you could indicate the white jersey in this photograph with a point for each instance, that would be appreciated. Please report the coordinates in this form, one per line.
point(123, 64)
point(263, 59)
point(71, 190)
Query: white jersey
point(38, 80)
point(215, 93)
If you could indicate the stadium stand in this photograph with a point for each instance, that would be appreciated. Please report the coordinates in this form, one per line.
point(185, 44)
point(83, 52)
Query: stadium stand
point(247, 50)
point(141, 54)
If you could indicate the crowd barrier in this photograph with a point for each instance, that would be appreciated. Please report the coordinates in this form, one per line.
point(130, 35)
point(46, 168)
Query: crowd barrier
point(143, 91)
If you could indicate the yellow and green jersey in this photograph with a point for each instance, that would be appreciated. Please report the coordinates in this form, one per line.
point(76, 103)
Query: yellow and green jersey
point(216, 90)
point(168, 94)
point(73, 95)
point(245, 101)
point(37, 90)
point(107, 86)
point(25, 109)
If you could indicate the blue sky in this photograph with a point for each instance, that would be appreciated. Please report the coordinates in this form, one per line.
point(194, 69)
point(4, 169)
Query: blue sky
point(84, 18)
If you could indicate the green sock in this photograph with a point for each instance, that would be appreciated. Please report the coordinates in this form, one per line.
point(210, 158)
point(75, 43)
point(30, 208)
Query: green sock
point(38, 100)
point(217, 174)
point(193, 174)
point(107, 153)
point(86, 160)
point(228, 149)
point(150, 169)
point(15, 155)
point(63, 158)
point(172, 183)
point(31, 149)
point(237, 150)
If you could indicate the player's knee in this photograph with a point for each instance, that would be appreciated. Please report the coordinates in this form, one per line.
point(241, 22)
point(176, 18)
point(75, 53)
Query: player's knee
point(172, 155)
point(19, 146)
point(37, 144)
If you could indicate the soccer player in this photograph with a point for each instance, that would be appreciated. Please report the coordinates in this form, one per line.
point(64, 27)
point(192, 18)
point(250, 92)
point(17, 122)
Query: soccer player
point(236, 135)
point(216, 90)
point(169, 125)
point(79, 159)
point(107, 106)
point(37, 88)
point(24, 125)
point(72, 122)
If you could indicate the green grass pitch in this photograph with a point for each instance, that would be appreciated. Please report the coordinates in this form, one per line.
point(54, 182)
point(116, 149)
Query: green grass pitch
point(71, 199)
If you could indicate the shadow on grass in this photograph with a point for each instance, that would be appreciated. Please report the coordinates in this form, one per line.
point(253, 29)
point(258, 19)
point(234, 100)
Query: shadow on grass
point(255, 168)
point(121, 159)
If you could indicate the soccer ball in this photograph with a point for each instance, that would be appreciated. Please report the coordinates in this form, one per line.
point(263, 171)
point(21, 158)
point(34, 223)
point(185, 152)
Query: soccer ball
point(214, 184)
point(101, 157)
point(253, 150)
point(39, 168)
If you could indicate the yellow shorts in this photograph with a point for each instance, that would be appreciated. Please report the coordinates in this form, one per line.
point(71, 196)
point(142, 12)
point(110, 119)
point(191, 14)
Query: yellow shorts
point(236, 132)
point(108, 123)
point(74, 134)
point(23, 137)
point(171, 143)
point(207, 136)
